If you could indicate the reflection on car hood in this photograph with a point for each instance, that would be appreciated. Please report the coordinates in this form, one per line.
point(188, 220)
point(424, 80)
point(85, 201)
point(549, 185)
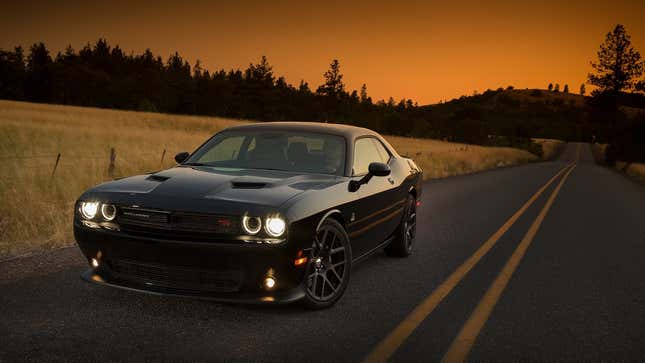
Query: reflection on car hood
point(239, 186)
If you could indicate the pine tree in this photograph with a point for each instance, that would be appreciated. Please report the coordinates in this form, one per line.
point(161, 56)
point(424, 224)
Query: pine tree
point(304, 87)
point(261, 72)
point(39, 64)
point(364, 93)
point(333, 86)
point(557, 87)
point(197, 70)
point(619, 65)
point(550, 88)
point(583, 90)
point(566, 88)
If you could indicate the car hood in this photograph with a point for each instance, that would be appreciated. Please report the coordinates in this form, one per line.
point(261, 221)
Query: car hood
point(208, 189)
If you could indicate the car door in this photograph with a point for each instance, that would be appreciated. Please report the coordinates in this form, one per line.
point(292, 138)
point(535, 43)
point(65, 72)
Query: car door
point(394, 193)
point(374, 212)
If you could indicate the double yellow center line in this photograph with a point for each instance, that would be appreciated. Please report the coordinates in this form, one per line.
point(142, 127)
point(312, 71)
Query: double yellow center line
point(462, 344)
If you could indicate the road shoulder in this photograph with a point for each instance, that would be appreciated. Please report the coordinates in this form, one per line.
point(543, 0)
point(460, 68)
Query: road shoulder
point(40, 264)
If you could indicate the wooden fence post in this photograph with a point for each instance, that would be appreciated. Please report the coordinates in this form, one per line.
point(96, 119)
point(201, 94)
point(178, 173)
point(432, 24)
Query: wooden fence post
point(163, 155)
point(112, 161)
point(55, 165)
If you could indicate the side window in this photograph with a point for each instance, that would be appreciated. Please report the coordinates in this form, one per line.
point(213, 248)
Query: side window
point(228, 149)
point(365, 152)
point(385, 156)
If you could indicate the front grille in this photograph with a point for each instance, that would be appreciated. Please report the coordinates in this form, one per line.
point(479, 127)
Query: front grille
point(144, 217)
point(183, 278)
point(176, 225)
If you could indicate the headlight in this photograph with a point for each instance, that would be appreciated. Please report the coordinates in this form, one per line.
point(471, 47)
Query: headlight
point(275, 226)
point(251, 225)
point(89, 209)
point(108, 211)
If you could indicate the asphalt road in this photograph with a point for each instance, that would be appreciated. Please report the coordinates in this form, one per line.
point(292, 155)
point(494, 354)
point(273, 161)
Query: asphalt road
point(577, 294)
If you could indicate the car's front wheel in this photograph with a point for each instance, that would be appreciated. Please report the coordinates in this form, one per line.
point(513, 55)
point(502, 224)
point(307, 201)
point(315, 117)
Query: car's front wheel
point(329, 267)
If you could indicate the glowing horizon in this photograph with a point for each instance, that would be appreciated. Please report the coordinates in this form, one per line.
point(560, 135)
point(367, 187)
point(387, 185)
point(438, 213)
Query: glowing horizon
point(425, 51)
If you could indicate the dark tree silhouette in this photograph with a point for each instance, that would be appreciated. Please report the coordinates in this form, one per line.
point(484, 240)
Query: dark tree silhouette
point(333, 86)
point(556, 88)
point(364, 96)
point(583, 90)
point(304, 87)
point(261, 72)
point(38, 81)
point(619, 65)
point(566, 88)
point(12, 73)
point(550, 88)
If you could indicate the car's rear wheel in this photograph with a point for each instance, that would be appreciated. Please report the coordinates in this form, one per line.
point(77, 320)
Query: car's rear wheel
point(403, 242)
point(329, 267)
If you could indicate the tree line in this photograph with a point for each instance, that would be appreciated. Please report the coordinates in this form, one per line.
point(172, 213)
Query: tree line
point(101, 75)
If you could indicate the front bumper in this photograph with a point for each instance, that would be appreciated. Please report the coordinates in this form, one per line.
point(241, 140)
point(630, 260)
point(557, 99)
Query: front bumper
point(221, 271)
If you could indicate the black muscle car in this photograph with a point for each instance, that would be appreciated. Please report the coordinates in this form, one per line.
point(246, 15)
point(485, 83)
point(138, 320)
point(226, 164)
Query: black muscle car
point(265, 212)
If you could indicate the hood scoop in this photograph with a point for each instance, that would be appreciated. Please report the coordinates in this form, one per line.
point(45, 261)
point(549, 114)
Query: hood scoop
point(248, 185)
point(157, 178)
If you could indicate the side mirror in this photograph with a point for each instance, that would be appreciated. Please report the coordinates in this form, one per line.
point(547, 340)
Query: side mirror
point(374, 169)
point(181, 157)
point(379, 169)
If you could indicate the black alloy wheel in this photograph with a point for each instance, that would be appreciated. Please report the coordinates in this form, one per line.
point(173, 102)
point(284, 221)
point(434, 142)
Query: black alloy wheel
point(403, 242)
point(329, 267)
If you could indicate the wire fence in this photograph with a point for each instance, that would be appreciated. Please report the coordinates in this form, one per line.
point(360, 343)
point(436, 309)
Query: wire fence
point(57, 161)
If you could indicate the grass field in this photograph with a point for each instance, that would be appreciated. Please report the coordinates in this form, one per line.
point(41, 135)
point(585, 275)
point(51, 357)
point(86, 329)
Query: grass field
point(37, 203)
point(635, 170)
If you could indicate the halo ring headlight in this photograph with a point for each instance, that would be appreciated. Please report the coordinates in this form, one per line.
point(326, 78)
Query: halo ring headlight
point(251, 225)
point(108, 211)
point(89, 209)
point(275, 226)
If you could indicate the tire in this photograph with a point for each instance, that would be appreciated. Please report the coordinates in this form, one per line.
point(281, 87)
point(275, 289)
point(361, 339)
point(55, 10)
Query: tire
point(329, 267)
point(403, 242)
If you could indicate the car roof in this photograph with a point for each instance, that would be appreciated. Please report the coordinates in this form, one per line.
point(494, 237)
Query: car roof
point(347, 131)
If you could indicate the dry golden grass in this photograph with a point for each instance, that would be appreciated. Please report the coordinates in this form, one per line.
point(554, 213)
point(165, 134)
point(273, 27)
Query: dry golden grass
point(440, 159)
point(636, 170)
point(550, 147)
point(36, 208)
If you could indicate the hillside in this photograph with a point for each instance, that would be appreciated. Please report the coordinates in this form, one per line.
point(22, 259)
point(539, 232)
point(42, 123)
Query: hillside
point(518, 113)
point(526, 113)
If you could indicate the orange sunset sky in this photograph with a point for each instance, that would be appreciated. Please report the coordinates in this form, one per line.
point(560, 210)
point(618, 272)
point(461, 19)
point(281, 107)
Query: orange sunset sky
point(427, 51)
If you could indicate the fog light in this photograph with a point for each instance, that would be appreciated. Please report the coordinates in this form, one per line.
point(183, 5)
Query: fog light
point(300, 261)
point(269, 282)
point(95, 263)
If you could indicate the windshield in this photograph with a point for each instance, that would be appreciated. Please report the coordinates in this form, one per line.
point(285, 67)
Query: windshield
point(305, 152)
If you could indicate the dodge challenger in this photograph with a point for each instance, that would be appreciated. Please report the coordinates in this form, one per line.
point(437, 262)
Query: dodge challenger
point(271, 212)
